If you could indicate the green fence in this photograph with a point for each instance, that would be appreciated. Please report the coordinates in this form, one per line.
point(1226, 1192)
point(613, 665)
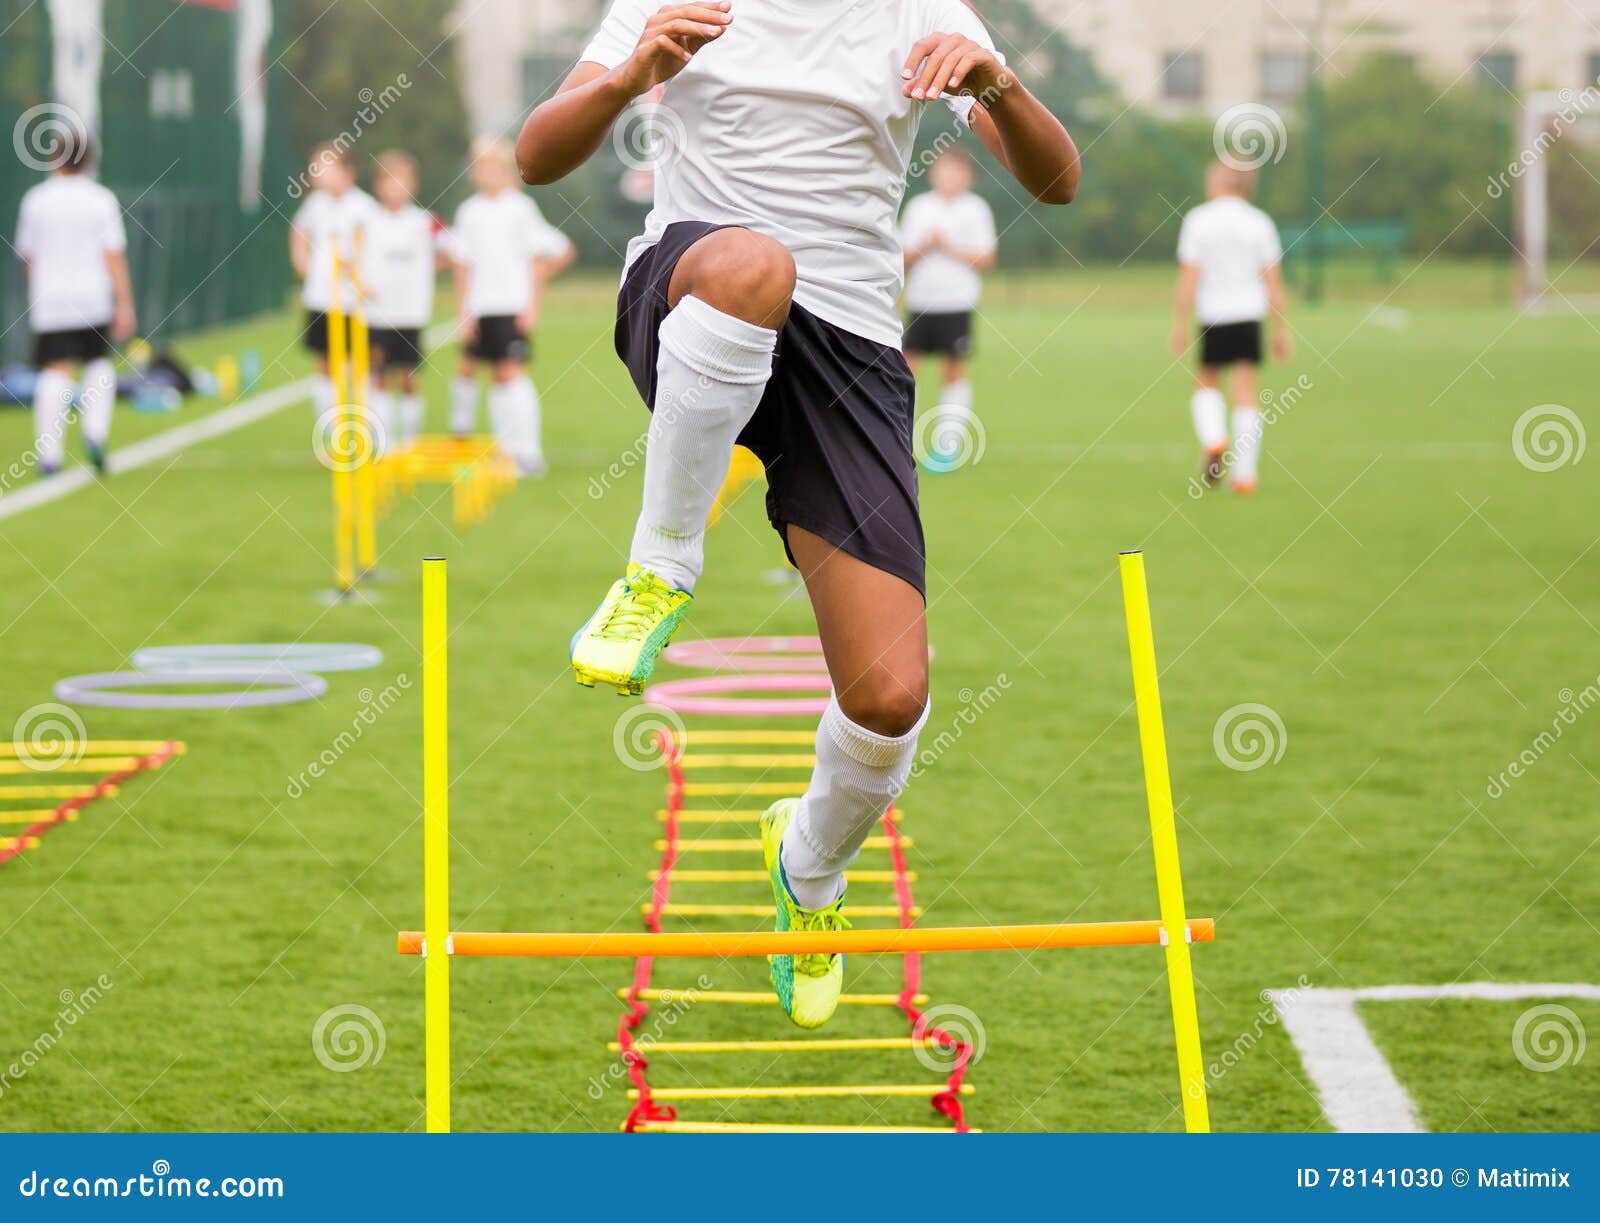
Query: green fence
point(172, 148)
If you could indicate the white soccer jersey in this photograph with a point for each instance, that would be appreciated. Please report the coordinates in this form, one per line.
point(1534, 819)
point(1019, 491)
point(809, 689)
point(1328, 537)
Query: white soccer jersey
point(939, 283)
point(497, 238)
point(331, 223)
point(66, 227)
point(1233, 243)
point(793, 124)
point(397, 266)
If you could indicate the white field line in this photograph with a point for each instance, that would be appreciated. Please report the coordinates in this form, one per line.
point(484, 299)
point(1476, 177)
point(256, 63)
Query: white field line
point(1358, 1090)
point(159, 446)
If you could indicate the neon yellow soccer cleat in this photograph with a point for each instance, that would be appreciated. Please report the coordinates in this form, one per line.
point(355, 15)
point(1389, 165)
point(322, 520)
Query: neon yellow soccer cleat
point(621, 641)
point(808, 986)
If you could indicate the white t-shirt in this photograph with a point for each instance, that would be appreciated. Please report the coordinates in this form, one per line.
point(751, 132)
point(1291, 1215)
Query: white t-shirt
point(331, 223)
point(939, 283)
point(793, 124)
point(65, 228)
point(1232, 242)
point(497, 238)
point(397, 266)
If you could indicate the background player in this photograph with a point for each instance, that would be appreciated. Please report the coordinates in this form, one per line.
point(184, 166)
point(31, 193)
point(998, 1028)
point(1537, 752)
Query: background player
point(400, 253)
point(949, 239)
point(74, 249)
point(505, 253)
point(1230, 277)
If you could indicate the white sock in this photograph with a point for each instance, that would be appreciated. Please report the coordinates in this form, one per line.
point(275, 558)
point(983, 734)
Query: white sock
point(500, 412)
point(514, 409)
point(463, 405)
point(857, 775)
point(710, 375)
point(957, 398)
point(380, 412)
point(96, 401)
point(1248, 428)
point(410, 417)
point(52, 398)
point(322, 395)
point(1210, 412)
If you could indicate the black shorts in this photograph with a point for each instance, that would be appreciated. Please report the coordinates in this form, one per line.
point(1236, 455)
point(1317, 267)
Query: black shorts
point(944, 334)
point(395, 347)
point(499, 339)
point(315, 334)
point(1230, 344)
point(78, 344)
point(833, 427)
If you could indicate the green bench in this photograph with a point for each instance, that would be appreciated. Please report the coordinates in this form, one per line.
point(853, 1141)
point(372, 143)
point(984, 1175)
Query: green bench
point(1383, 240)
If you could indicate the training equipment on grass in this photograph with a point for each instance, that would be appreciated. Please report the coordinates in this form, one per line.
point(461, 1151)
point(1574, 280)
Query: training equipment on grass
point(112, 761)
point(477, 470)
point(1174, 931)
point(353, 442)
point(255, 686)
point(741, 653)
point(702, 695)
point(318, 658)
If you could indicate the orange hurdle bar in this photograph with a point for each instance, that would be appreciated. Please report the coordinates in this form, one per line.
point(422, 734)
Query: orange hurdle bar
point(800, 942)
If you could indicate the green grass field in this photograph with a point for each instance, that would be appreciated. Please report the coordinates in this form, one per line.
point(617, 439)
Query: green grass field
point(1412, 602)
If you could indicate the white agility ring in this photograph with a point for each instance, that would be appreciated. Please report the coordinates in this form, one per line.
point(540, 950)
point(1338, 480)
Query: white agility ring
point(104, 689)
point(317, 657)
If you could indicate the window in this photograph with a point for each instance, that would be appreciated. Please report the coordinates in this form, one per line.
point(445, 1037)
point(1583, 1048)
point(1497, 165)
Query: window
point(1284, 75)
point(1183, 78)
point(1498, 69)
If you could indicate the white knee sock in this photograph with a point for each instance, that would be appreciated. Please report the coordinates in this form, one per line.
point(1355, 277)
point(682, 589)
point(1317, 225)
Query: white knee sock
point(410, 417)
point(1210, 412)
point(380, 412)
point(1248, 429)
point(96, 401)
point(322, 395)
point(52, 398)
point(463, 405)
point(957, 398)
point(857, 775)
point(710, 375)
point(514, 414)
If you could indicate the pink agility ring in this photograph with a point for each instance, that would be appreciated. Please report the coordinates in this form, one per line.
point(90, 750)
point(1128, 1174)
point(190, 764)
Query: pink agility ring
point(749, 654)
point(695, 695)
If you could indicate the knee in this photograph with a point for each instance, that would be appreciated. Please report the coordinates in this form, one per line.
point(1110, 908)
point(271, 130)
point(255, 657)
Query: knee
point(885, 704)
point(743, 273)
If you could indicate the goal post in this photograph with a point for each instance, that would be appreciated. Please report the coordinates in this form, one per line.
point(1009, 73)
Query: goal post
point(1545, 120)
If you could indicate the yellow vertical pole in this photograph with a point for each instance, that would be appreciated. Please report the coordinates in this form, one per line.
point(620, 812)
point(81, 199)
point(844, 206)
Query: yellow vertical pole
point(436, 844)
point(344, 506)
point(1164, 841)
point(366, 498)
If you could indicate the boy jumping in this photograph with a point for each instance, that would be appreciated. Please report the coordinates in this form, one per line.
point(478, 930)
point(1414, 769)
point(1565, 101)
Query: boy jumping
point(74, 249)
point(1230, 277)
point(759, 306)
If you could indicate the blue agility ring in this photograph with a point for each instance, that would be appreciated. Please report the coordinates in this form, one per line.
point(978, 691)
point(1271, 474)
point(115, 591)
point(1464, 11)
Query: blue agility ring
point(254, 686)
point(317, 657)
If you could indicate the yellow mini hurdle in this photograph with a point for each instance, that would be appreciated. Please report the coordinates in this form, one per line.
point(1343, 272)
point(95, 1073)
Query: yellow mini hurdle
point(478, 471)
point(437, 943)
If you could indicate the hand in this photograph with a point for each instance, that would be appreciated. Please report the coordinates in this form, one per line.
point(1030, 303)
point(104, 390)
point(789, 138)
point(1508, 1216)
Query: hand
point(669, 41)
point(951, 63)
point(1179, 343)
point(527, 321)
point(124, 325)
point(1282, 344)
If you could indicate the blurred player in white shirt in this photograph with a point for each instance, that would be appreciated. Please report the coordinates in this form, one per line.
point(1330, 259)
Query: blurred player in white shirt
point(73, 246)
point(401, 251)
point(505, 254)
point(949, 239)
point(1230, 279)
point(329, 222)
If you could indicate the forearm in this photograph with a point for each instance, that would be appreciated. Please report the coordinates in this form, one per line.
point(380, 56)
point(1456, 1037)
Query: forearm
point(460, 282)
point(1183, 297)
point(563, 132)
point(121, 281)
point(1034, 145)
